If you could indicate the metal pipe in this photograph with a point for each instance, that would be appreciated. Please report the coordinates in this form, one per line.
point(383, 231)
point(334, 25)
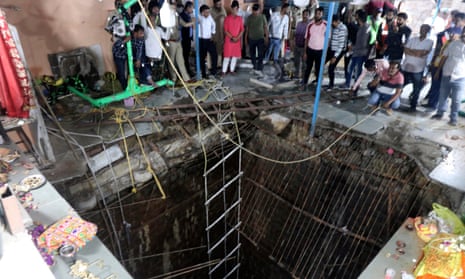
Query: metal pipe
point(320, 74)
point(196, 38)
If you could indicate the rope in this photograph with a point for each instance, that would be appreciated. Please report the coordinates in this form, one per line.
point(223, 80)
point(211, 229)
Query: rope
point(119, 113)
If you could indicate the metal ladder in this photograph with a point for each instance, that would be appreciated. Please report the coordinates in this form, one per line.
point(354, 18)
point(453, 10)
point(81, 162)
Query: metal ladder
point(222, 207)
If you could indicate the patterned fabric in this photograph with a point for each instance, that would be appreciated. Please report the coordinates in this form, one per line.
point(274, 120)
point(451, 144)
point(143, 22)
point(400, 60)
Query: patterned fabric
point(119, 49)
point(69, 230)
point(15, 89)
point(339, 39)
point(138, 48)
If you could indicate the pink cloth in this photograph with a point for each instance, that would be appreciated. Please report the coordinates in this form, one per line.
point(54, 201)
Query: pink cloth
point(234, 25)
point(374, 5)
point(15, 90)
point(316, 35)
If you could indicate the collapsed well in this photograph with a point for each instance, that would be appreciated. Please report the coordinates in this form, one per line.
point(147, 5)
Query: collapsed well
point(326, 217)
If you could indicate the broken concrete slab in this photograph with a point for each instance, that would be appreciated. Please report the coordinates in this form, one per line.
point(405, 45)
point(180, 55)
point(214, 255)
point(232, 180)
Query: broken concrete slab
point(157, 163)
point(450, 171)
point(105, 158)
point(261, 83)
point(278, 121)
point(207, 137)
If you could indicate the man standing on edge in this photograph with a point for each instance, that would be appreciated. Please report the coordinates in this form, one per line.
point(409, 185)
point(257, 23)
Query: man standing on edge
point(218, 14)
point(314, 41)
point(416, 52)
point(299, 46)
point(207, 29)
point(453, 79)
point(279, 30)
point(337, 46)
point(187, 23)
point(256, 34)
point(361, 48)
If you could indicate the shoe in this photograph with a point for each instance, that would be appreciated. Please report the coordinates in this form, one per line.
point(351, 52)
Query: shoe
point(411, 110)
point(437, 116)
point(424, 102)
point(388, 112)
point(260, 74)
point(452, 123)
point(232, 73)
point(369, 109)
point(429, 109)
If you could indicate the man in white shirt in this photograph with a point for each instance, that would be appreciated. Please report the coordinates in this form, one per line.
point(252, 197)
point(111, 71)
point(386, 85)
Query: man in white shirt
point(207, 29)
point(453, 79)
point(279, 29)
point(416, 53)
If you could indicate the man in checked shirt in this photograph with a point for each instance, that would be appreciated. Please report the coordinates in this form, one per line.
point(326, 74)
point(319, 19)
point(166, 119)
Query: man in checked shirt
point(141, 64)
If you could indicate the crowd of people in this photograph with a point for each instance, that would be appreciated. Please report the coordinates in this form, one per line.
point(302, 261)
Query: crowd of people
point(374, 40)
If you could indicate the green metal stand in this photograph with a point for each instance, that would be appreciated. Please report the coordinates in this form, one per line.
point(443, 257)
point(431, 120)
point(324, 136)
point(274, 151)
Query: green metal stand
point(133, 88)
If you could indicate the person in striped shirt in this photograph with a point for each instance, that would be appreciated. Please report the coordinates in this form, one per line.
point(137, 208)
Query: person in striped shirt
point(389, 84)
point(337, 46)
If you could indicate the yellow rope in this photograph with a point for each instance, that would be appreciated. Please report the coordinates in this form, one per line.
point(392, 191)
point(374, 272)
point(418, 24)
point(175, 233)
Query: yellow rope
point(119, 114)
point(147, 161)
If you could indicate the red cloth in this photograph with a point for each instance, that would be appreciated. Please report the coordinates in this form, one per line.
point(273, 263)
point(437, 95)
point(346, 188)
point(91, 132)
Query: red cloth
point(15, 90)
point(374, 5)
point(234, 25)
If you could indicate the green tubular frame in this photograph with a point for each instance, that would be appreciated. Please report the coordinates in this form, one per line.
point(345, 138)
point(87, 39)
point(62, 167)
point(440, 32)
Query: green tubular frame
point(133, 88)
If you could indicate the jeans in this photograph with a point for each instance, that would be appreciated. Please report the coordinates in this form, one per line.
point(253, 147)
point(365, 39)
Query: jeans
point(454, 90)
point(416, 80)
point(256, 49)
point(356, 62)
point(144, 72)
point(376, 98)
point(433, 94)
point(275, 46)
point(121, 73)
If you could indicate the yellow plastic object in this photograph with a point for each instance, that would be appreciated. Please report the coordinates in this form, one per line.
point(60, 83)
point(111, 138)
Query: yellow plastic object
point(425, 231)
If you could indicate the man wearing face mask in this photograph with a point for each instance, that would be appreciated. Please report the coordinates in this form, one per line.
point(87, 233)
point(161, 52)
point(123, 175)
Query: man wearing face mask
point(453, 79)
